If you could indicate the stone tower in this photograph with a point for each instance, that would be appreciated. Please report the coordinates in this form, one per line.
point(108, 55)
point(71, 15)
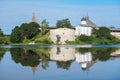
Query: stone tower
point(34, 19)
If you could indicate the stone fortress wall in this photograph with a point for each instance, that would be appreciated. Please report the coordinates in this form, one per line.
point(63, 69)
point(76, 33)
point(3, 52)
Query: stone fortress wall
point(61, 35)
point(116, 34)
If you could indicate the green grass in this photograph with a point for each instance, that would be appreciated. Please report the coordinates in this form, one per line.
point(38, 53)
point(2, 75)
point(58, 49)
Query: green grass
point(41, 37)
point(18, 44)
point(95, 40)
point(38, 39)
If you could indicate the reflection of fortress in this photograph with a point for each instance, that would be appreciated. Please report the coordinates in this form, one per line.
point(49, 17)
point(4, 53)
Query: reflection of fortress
point(85, 60)
point(67, 54)
point(62, 54)
point(116, 53)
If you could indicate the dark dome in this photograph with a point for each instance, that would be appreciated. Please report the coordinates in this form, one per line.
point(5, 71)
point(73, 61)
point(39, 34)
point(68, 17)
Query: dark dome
point(83, 19)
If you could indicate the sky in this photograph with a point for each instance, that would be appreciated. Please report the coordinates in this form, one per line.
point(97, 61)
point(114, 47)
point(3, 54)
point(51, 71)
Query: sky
point(101, 12)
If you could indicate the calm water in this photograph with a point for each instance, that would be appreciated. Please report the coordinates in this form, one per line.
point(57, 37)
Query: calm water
point(66, 62)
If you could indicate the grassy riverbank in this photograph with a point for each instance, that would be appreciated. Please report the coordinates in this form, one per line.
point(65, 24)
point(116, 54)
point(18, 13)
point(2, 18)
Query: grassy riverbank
point(94, 40)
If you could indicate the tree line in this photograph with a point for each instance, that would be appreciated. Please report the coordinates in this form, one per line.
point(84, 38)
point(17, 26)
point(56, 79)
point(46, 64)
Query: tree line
point(30, 30)
point(4, 39)
point(27, 31)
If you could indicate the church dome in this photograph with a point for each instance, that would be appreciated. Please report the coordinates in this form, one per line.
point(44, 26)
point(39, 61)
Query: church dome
point(83, 19)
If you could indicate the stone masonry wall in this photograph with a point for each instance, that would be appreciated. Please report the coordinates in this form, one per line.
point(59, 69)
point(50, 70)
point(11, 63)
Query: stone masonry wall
point(60, 35)
point(116, 34)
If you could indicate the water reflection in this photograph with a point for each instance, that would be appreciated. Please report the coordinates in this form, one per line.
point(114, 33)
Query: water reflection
point(2, 53)
point(30, 57)
point(84, 59)
point(25, 57)
point(63, 56)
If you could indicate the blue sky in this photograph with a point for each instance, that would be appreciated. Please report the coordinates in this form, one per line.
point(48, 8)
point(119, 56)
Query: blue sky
point(16, 12)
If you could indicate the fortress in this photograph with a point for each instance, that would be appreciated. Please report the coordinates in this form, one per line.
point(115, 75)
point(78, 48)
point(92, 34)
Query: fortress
point(61, 35)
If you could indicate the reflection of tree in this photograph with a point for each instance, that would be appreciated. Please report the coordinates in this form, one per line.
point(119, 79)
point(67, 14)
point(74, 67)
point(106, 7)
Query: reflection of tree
point(64, 65)
point(44, 56)
point(2, 52)
point(30, 57)
point(83, 50)
point(25, 57)
point(45, 65)
point(102, 54)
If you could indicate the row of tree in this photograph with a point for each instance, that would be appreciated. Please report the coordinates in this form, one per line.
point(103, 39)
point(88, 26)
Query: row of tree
point(4, 39)
point(29, 30)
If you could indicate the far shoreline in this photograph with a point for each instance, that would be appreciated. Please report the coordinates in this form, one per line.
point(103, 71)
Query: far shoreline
point(63, 45)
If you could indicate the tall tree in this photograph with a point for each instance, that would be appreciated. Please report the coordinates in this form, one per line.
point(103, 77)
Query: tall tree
point(29, 30)
point(65, 23)
point(44, 26)
point(24, 30)
point(16, 35)
point(33, 30)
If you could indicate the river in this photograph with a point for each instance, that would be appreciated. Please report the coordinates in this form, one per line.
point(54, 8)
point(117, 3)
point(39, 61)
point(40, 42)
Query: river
point(60, 62)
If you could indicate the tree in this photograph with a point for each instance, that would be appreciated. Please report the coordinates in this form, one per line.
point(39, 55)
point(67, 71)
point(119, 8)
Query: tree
point(4, 40)
point(65, 23)
point(1, 33)
point(29, 30)
point(44, 26)
point(94, 31)
point(112, 26)
point(16, 35)
point(25, 31)
point(103, 32)
point(84, 38)
point(33, 30)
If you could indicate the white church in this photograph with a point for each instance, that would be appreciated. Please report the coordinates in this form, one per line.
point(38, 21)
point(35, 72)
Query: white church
point(85, 27)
